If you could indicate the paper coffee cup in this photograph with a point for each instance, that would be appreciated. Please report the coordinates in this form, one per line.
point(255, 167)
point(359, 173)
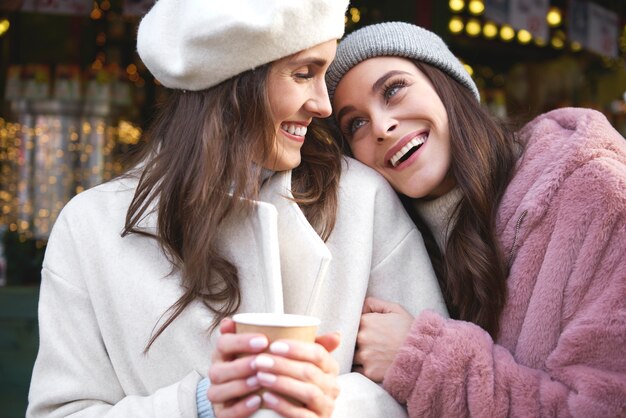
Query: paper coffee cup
point(277, 327)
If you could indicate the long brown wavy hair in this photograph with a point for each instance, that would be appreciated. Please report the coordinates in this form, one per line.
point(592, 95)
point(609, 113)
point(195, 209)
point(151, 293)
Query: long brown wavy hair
point(472, 273)
point(197, 167)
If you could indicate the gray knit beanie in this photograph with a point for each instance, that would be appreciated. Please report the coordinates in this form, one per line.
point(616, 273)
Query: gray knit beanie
point(395, 39)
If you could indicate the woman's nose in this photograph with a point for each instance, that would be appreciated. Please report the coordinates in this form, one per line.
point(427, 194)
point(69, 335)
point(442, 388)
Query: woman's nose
point(384, 127)
point(319, 104)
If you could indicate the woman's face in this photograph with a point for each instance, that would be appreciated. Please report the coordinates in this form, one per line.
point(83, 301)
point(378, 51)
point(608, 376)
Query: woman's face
point(297, 93)
point(395, 123)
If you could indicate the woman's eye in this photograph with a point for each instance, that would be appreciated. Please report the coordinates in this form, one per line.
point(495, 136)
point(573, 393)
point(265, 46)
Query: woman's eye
point(303, 73)
point(303, 76)
point(353, 125)
point(393, 88)
point(391, 91)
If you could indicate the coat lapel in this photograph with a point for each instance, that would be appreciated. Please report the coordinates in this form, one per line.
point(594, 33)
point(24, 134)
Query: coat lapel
point(304, 258)
point(251, 244)
point(281, 260)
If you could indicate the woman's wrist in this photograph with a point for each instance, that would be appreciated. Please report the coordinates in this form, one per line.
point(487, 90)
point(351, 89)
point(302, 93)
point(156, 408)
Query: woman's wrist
point(205, 409)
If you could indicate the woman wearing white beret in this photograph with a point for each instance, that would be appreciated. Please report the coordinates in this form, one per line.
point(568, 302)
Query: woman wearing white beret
point(238, 204)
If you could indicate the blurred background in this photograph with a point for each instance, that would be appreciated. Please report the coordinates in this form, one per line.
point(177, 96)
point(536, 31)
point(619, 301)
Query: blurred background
point(75, 97)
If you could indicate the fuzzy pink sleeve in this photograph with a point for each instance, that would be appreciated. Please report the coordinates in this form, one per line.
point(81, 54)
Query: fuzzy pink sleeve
point(449, 368)
point(452, 368)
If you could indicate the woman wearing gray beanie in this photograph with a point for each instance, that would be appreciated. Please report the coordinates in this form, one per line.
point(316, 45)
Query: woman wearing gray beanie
point(528, 238)
point(238, 203)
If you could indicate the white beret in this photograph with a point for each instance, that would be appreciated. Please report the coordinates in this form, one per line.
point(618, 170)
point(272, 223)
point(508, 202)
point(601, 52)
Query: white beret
point(197, 44)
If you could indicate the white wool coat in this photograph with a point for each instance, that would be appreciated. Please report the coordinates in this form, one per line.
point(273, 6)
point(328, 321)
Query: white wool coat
point(103, 295)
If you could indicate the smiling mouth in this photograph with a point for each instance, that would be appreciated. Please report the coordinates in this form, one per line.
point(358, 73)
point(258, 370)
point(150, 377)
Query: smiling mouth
point(407, 150)
point(293, 129)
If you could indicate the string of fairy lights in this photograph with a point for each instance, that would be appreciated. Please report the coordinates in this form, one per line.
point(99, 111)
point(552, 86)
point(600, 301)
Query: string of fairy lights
point(468, 18)
point(100, 12)
point(48, 155)
point(44, 163)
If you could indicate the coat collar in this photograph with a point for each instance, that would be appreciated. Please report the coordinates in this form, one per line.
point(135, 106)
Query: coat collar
point(281, 259)
point(304, 257)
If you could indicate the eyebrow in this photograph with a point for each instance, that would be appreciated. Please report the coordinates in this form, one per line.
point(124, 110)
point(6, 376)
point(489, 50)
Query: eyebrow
point(320, 62)
point(343, 111)
point(375, 87)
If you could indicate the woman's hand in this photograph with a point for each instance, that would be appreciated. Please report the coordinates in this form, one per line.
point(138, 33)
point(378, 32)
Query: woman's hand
point(301, 378)
point(304, 372)
point(233, 378)
point(383, 328)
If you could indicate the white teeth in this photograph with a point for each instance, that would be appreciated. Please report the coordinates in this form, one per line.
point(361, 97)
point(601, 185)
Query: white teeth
point(417, 141)
point(297, 130)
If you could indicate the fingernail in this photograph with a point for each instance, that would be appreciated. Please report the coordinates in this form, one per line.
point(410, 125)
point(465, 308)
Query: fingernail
point(266, 377)
point(279, 347)
point(252, 381)
point(270, 398)
point(258, 342)
point(263, 361)
point(253, 401)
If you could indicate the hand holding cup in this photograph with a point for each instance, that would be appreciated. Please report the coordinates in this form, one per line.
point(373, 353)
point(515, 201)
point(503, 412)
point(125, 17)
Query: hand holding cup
point(298, 376)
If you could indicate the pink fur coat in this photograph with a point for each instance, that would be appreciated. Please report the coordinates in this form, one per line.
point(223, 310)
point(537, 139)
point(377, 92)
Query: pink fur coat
point(562, 346)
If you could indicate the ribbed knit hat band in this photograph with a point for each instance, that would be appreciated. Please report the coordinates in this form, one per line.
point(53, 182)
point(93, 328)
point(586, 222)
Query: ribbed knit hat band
point(396, 39)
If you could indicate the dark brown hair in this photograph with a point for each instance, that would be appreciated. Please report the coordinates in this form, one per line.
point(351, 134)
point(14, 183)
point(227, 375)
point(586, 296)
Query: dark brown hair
point(473, 272)
point(197, 168)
